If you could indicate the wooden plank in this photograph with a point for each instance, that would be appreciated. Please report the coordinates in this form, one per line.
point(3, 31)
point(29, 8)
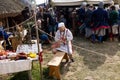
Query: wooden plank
point(57, 59)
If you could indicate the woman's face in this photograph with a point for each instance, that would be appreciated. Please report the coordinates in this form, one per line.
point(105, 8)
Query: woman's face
point(62, 28)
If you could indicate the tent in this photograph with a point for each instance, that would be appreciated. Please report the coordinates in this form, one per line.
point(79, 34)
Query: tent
point(76, 2)
point(66, 2)
point(97, 1)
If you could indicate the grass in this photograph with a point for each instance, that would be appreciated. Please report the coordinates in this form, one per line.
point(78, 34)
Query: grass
point(35, 74)
point(24, 75)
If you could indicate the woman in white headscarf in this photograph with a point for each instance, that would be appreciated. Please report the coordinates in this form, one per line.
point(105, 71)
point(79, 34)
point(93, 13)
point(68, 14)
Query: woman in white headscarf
point(63, 38)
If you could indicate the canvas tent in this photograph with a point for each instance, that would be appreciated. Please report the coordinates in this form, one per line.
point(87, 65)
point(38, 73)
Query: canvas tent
point(76, 2)
point(97, 1)
point(66, 2)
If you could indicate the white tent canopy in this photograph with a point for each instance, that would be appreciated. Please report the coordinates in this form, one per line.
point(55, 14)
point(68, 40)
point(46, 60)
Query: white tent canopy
point(66, 2)
point(76, 2)
point(97, 1)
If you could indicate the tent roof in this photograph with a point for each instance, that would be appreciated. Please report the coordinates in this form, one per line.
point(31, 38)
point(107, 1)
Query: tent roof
point(66, 2)
point(97, 1)
point(76, 2)
point(10, 8)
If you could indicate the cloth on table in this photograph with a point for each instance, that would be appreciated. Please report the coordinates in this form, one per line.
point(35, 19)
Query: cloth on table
point(14, 66)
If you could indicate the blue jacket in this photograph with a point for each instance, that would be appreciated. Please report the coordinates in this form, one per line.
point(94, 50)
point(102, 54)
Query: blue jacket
point(81, 15)
point(100, 18)
point(3, 33)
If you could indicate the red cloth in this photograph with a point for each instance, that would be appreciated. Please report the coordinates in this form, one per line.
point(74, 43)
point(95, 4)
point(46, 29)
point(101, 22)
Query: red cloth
point(40, 57)
point(101, 27)
point(56, 45)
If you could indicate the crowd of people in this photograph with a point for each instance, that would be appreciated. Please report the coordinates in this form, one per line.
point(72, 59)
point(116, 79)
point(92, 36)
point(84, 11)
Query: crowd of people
point(97, 24)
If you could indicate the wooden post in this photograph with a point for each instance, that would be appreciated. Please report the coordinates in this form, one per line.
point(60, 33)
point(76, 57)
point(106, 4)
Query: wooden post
point(37, 40)
point(7, 23)
point(73, 23)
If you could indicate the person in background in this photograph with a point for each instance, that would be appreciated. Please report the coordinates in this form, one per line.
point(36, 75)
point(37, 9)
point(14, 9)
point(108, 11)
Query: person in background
point(99, 23)
point(39, 14)
point(114, 16)
point(50, 23)
point(119, 24)
point(19, 29)
point(81, 18)
point(63, 38)
point(44, 38)
point(81, 13)
point(62, 19)
point(26, 13)
point(88, 15)
point(4, 36)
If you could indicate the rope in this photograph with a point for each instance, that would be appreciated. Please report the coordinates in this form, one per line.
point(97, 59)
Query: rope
point(19, 24)
point(88, 50)
point(46, 33)
point(74, 45)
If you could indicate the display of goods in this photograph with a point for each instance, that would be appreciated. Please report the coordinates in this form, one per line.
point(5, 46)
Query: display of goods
point(21, 56)
point(32, 55)
point(12, 55)
point(3, 52)
point(3, 57)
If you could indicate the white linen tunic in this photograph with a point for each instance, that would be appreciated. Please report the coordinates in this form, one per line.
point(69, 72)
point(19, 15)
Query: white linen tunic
point(67, 48)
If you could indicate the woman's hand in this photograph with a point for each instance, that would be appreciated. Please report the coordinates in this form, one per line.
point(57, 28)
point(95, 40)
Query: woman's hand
point(63, 40)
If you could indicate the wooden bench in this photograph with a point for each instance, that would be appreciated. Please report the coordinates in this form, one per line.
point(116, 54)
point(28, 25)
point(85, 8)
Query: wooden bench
point(54, 64)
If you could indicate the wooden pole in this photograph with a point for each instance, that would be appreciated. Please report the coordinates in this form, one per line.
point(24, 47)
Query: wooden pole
point(37, 34)
point(73, 23)
point(7, 23)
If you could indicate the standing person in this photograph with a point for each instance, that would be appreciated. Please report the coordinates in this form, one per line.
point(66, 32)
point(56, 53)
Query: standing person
point(40, 13)
point(63, 38)
point(81, 13)
point(49, 22)
point(88, 15)
point(114, 16)
point(81, 18)
point(100, 23)
point(26, 13)
point(119, 25)
point(62, 19)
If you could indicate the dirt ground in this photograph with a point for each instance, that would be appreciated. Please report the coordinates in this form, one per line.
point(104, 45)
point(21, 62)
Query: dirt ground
point(102, 65)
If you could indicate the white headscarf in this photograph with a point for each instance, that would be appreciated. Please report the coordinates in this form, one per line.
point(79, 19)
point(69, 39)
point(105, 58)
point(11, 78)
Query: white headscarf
point(61, 24)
